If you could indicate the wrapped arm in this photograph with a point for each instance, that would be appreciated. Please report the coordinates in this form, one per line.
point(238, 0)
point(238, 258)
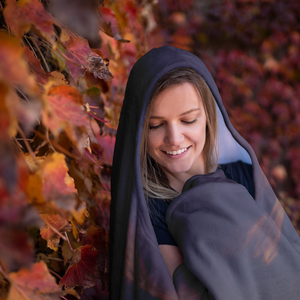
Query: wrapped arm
point(232, 246)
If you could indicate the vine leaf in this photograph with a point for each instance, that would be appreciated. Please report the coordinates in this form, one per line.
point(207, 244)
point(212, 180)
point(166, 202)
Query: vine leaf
point(110, 25)
point(34, 284)
point(20, 15)
point(60, 223)
point(83, 269)
point(13, 68)
point(64, 110)
point(8, 121)
point(82, 59)
point(35, 67)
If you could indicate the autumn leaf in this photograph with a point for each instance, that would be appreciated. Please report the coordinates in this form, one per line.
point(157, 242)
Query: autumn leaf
point(95, 236)
point(64, 110)
point(53, 223)
point(20, 15)
point(83, 269)
point(53, 183)
point(57, 79)
point(106, 150)
point(82, 59)
point(8, 121)
point(110, 25)
point(51, 190)
point(35, 66)
point(14, 206)
point(16, 249)
point(34, 284)
point(13, 68)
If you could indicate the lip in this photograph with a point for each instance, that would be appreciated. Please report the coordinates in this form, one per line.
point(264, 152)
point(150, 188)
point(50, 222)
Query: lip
point(177, 155)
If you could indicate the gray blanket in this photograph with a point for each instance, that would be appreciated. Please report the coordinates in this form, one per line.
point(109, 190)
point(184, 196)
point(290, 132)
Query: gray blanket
point(230, 244)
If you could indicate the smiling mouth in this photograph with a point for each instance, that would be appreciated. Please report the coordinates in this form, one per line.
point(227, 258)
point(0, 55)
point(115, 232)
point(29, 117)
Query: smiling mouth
point(177, 152)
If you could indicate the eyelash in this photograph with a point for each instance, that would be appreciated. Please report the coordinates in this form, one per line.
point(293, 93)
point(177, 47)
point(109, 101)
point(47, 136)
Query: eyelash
point(185, 122)
point(191, 122)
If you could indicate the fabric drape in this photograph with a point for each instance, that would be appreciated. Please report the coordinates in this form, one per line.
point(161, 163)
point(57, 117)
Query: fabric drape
point(137, 268)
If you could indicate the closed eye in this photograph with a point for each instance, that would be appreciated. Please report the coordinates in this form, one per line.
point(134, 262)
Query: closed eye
point(190, 122)
point(154, 127)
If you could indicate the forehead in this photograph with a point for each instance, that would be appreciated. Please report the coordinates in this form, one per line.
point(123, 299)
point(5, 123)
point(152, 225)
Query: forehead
point(179, 97)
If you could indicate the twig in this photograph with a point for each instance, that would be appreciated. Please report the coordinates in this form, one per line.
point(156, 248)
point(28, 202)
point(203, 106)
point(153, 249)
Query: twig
point(58, 39)
point(47, 136)
point(68, 59)
point(92, 115)
point(55, 230)
point(59, 147)
point(88, 154)
point(32, 49)
point(65, 27)
point(41, 54)
point(27, 144)
point(69, 241)
point(54, 273)
point(54, 258)
point(26, 98)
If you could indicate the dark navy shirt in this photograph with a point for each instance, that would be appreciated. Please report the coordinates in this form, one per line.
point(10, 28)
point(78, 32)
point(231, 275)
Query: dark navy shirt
point(238, 171)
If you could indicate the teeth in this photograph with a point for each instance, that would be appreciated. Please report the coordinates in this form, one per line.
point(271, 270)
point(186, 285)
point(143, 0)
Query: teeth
point(176, 152)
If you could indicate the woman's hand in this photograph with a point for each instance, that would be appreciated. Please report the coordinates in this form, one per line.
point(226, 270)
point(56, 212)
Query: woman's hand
point(172, 257)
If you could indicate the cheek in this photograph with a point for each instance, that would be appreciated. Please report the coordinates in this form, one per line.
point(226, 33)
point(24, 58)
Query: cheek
point(151, 143)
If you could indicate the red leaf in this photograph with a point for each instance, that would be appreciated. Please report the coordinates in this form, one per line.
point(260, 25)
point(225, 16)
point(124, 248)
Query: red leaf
point(65, 112)
point(97, 237)
point(35, 66)
point(110, 24)
point(83, 270)
point(20, 15)
point(16, 250)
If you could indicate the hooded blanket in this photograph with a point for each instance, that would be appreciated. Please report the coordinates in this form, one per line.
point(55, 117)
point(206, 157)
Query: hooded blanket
point(235, 246)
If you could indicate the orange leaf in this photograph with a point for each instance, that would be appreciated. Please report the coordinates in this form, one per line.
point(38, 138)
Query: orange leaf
point(8, 122)
point(65, 110)
point(83, 269)
point(59, 223)
point(56, 179)
point(34, 284)
point(13, 68)
point(21, 15)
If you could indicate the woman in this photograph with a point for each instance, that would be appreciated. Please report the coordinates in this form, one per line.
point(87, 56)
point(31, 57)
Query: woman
point(219, 239)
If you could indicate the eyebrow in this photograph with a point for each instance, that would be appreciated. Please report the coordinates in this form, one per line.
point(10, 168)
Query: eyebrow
point(183, 114)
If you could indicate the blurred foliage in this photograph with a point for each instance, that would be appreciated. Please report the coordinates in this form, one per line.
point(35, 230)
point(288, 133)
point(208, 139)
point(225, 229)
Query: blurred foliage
point(63, 71)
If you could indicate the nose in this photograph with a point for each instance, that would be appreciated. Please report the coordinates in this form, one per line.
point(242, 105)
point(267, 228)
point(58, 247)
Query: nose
point(174, 136)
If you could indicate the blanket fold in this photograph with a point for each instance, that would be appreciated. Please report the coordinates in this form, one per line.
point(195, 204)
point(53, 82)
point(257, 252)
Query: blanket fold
point(230, 244)
point(188, 286)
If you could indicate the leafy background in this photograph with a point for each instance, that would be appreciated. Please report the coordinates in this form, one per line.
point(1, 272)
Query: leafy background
point(63, 71)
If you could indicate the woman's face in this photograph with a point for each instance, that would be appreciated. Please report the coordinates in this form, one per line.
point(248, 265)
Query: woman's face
point(177, 131)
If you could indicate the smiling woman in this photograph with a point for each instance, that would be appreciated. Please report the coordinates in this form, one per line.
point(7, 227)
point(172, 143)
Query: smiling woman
point(192, 214)
point(180, 128)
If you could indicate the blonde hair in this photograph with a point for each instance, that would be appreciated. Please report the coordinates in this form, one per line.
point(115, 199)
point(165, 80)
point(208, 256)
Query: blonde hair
point(155, 182)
